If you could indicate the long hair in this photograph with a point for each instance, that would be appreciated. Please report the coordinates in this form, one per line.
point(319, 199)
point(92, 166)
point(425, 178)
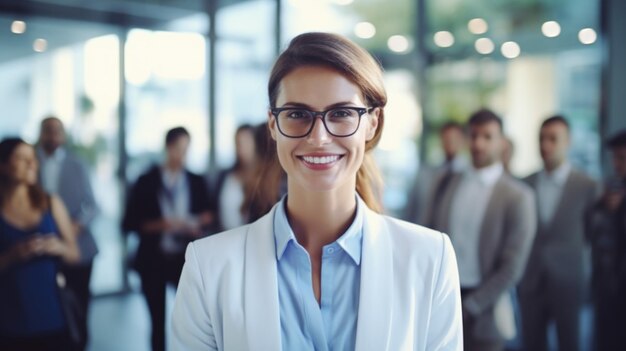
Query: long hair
point(358, 66)
point(36, 195)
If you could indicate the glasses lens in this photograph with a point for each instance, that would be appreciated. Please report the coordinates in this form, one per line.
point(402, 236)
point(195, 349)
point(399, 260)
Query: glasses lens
point(339, 121)
point(295, 122)
point(342, 121)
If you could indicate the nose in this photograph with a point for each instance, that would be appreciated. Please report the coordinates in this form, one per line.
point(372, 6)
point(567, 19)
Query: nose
point(318, 135)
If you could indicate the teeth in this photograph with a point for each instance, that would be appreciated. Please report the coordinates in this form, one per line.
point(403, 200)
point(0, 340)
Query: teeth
point(320, 160)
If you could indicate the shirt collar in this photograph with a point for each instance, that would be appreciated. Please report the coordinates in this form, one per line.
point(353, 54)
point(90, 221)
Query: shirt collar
point(559, 175)
point(58, 154)
point(350, 241)
point(487, 175)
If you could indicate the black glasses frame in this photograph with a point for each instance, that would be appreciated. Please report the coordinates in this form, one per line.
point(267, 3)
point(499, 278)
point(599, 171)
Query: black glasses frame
point(360, 110)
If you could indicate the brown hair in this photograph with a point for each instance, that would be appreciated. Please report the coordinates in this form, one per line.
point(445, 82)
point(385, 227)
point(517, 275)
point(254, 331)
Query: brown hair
point(37, 196)
point(357, 65)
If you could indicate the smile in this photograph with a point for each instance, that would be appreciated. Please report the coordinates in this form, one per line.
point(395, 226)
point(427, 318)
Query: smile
point(320, 160)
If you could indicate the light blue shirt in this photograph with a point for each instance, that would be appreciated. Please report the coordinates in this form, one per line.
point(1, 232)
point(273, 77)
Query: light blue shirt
point(304, 324)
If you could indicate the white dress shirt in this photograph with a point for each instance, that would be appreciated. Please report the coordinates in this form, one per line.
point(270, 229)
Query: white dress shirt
point(467, 212)
point(549, 189)
point(174, 203)
point(51, 169)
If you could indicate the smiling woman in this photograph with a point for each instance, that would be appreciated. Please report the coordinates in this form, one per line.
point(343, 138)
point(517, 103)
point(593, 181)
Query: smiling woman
point(323, 269)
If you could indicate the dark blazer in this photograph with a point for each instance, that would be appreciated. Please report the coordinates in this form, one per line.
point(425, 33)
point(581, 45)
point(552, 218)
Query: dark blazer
point(507, 233)
point(561, 248)
point(143, 205)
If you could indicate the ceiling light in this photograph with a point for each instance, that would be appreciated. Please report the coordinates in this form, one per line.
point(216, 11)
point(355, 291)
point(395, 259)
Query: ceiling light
point(398, 43)
point(484, 46)
point(587, 36)
point(444, 39)
point(40, 45)
point(551, 29)
point(364, 30)
point(18, 27)
point(477, 26)
point(510, 49)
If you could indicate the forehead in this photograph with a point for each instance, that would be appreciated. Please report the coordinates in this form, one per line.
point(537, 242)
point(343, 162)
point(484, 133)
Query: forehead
point(491, 127)
point(555, 127)
point(24, 150)
point(52, 124)
point(318, 87)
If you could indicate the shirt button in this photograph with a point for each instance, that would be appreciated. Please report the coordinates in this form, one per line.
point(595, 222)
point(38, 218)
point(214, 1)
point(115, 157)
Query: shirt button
point(330, 250)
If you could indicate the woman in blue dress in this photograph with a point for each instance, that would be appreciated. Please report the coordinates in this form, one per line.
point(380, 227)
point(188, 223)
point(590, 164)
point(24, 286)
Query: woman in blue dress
point(35, 234)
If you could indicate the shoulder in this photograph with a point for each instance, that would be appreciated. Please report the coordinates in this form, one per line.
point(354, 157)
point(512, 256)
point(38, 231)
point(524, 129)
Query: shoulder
point(515, 187)
point(219, 251)
point(411, 239)
point(582, 178)
point(530, 178)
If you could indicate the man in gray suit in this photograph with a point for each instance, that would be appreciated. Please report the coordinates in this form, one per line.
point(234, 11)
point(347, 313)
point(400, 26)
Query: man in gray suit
point(453, 144)
point(64, 174)
point(491, 219)
point(557, 276)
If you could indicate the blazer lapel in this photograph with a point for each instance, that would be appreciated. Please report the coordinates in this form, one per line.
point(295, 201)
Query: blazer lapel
point(565, 198)
point(262, 319)
point(377, 282)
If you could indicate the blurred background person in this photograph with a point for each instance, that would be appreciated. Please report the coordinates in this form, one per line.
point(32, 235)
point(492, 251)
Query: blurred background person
point(64, 174)
point(453, 144)
point(233, 183)
point(608, 228)
point(262, 193)
point(168, 207)
point(556, 280)
point(35, 235)
point(491, 220)
point(508, 150)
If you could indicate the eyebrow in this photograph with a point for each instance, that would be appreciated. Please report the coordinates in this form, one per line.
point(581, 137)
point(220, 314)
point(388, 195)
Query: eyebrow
point(308, 107)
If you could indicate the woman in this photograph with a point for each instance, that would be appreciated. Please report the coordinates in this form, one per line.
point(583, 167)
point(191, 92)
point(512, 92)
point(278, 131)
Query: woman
point(35, 233)
point(322, 270)
point(233, 183)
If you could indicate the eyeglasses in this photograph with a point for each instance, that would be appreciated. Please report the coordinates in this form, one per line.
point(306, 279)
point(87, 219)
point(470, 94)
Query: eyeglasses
point(339, 121)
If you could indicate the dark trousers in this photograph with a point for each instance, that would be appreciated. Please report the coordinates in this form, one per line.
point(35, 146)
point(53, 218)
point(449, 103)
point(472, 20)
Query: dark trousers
point(153, 285)
point(560, 304)
point(78, 278)
point(470, 341)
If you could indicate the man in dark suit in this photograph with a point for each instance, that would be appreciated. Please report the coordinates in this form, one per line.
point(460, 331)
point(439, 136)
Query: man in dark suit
point(168, 207)
point(490, 218)
point(608, 228)
point(62, 173)
point(557, 276)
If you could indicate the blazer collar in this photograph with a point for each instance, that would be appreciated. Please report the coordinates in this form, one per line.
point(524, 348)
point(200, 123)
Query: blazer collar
point(261, 306)
point(377, 281)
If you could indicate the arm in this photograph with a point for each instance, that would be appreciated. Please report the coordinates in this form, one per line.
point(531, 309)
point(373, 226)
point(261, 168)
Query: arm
point(88, 208)
point(446, 328)
point(65, 247)
point(519, 232)
point(192, 328)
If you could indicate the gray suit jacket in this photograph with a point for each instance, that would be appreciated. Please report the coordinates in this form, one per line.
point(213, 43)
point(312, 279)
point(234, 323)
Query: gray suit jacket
point(507, 233)
point(561, 251)
point(77, 195)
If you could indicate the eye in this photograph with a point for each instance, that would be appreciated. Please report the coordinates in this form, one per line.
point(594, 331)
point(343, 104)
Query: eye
point(341, 113)
point(296, 114)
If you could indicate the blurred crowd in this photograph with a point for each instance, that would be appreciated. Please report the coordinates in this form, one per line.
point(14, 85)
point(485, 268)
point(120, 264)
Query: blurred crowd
point(532, 252)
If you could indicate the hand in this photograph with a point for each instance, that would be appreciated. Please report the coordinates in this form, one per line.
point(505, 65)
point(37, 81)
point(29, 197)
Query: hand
point(47, 244)
point(613, 200)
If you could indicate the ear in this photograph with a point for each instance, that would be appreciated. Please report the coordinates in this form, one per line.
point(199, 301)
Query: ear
point(372, 123)
point(271, 124)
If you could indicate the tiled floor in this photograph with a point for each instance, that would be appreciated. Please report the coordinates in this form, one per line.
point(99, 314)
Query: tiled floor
point(121, 322)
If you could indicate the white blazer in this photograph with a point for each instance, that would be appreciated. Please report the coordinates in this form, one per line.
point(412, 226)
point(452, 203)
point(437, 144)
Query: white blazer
point(227, 298)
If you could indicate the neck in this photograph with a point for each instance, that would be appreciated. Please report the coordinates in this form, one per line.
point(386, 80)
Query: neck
point(49, 151)
point(172, 167)
point(319, 218)
point(551, 166)
point(18, 195)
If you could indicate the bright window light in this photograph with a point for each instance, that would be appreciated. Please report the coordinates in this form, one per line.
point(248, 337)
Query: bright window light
point(444, 39)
